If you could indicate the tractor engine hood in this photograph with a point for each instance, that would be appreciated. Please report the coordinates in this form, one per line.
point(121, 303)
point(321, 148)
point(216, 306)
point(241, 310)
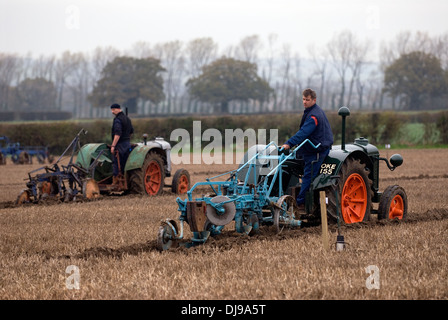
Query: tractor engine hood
point(158, 142)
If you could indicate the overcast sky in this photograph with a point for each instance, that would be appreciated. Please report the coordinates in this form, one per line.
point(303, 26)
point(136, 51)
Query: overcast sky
point(53, 26)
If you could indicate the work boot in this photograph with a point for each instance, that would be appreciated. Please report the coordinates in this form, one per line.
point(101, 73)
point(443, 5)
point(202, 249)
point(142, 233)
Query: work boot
point(114, 180)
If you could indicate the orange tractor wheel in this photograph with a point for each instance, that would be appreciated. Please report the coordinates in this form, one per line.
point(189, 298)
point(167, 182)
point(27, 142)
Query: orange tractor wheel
point(181, 182)
point(393, 203)
point(354, 194)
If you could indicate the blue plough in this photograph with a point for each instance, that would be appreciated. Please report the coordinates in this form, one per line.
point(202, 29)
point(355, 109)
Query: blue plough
point(251, 196)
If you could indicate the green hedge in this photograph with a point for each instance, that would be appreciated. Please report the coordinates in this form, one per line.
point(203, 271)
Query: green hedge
point(379, 127)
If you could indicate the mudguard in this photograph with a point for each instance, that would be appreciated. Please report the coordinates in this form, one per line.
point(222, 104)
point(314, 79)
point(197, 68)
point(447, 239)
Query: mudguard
point(330, 168)
point(90, 152)
point(138, 154)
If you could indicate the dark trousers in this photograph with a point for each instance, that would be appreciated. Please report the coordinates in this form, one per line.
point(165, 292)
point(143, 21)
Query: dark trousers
point(307, 177)
point(123, 149)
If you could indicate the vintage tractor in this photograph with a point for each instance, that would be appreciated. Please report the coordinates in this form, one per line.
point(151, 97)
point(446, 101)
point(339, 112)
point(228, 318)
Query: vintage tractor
point(145, 170)
point(91, 174)
point(262, 191)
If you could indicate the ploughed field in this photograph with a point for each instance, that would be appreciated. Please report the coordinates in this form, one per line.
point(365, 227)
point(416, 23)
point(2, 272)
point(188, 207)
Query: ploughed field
point(106, 248)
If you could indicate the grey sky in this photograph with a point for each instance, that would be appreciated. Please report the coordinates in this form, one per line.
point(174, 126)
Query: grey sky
point(53, 26)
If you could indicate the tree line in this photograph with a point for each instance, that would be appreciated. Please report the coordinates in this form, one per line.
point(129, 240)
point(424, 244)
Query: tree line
point(254, 76)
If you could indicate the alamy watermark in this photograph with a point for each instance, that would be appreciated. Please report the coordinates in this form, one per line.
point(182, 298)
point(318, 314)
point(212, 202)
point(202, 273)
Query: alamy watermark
point(373, 280)
point(73, 280)
point(73, 20)
point(221, 146)
point(373, 17)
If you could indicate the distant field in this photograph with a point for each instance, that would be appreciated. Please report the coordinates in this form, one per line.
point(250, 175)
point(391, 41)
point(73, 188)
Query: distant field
point(111, 242)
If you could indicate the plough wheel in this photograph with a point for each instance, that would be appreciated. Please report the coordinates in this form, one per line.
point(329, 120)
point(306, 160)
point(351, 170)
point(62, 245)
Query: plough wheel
point(45, 188)
point(24, 158)
point(90, 189)
point(23, 197)
point(287, 212)
point(221, 219)
point(166, 237)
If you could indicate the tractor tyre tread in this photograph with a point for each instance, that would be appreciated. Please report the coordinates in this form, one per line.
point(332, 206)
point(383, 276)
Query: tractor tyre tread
point(349, 167)
point(136, 176)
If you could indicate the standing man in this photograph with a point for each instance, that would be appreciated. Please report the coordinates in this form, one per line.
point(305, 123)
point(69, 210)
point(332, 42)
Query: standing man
point(315, 127)
point(121, 140)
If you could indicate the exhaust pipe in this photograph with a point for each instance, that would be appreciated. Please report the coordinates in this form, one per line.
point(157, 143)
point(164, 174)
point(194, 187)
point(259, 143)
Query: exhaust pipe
point(343, 112)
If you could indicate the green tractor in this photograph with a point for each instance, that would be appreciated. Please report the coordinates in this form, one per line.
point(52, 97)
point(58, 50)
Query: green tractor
point(349, 176)
point(145, 170)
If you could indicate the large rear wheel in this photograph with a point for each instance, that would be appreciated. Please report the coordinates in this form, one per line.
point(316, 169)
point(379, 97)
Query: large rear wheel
point(353, 192)
point(149, 179)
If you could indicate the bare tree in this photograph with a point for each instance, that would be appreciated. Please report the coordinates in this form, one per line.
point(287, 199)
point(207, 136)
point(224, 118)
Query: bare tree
point(285, 76)
point(248, 49)
point(270, 60)
point(295, 98)
point(348, 56)
point(200, 52)
point(99, 59)
point(79, 84)
point(9, 68)
point(230, 51)
point(63, 69)
point(357, 62)
point(140, 50)
point(320, 63)
point(43, 67)
point(405, 42)
point(267, 72)
point(440, 49)
point(172, 59)
point(340, 51)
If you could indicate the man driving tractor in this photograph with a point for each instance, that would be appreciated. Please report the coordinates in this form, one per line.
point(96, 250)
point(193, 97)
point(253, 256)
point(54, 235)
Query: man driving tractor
point(122, 130)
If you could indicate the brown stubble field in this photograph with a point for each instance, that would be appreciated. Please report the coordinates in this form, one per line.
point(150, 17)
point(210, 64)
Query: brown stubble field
point(111, 242)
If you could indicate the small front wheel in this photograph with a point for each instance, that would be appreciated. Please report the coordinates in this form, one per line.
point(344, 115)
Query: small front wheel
point(181, 182)
point(393, 203)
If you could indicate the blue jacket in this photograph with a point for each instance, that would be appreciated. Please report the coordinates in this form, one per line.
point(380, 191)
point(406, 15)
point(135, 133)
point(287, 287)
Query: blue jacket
point(122, 126)
point(314, 126)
